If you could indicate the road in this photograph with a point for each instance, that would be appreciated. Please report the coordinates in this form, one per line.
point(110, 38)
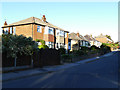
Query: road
point(102, 73)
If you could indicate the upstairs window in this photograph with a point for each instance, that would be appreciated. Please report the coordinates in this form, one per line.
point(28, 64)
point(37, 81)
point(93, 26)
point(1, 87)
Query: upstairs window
point(57, 32)
point(46, 30)
point(39, 29)
point(6, 30)
point(61, 33)
point(10, 30)
point(14, 30)
point(65, 34)
point(50, 31)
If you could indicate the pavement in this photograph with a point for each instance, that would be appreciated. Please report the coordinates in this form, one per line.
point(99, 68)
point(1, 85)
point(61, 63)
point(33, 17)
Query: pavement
point(46, 69)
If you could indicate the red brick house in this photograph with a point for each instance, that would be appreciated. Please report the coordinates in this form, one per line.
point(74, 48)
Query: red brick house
point(38, 29)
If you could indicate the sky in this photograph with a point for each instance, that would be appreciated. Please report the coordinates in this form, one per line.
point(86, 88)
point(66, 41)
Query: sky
point(83, 17)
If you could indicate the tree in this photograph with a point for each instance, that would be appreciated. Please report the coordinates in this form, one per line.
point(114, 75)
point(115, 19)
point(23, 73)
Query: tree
point(109, 37)
point(13, 45)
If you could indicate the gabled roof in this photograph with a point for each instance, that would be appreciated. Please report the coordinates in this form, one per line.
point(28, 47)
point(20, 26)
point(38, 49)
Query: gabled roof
point(83, 38)
point(33, 20)
point(89, 38)
point(74, 36)
point(27, 21)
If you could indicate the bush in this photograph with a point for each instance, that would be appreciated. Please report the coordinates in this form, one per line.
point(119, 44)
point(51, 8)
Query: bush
point(93, 47)
point(43, 46)
point(78, 52)
point(40, 40)
point(14, 45)
point(104, 49)
point(67, 58)
point(85, 49)
point(62, 50)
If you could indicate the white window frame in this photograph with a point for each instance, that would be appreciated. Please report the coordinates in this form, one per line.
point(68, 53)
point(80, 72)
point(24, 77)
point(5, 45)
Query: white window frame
point(57, 32)
point(46, 30)
point(61, 33)
point(14, 30)
point(10, 30)
point(65, 34)
point(39, 29)
point(51, 31)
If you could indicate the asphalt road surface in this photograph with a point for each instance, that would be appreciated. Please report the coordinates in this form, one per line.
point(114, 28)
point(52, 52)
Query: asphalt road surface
point(102, 73)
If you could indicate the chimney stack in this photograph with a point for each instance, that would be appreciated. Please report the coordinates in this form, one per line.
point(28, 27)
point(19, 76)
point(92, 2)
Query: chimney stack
point(5, 23)
point(43, 18)
point(78, 34)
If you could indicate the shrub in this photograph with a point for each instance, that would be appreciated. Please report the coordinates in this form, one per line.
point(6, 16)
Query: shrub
point(78, 52)
point(40, 40)
point(62, 50)
point(14, 45)
point(43, 46)
point(104, 49)
point(85, 49)
point(67, 58)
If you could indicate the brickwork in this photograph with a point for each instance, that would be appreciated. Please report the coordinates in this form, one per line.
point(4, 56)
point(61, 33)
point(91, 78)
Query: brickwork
point(49, 38)
point(25, 30)
point(38, 35)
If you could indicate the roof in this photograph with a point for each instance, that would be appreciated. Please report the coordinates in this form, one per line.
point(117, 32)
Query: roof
point(101, 36)
point(83, 38)
point(89, 38)
point(33, 20)
point(74, 36)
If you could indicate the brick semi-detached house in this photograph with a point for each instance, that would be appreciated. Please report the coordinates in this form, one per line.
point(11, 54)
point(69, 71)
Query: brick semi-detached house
point(36, 28)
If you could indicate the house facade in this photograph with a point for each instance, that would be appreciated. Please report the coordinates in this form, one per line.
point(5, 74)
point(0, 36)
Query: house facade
point(83, 42)
point(93, 41)
point(39, 29)
point(77, 41)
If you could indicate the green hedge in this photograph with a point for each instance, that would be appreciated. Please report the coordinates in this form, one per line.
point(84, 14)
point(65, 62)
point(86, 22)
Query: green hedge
point(13, 45)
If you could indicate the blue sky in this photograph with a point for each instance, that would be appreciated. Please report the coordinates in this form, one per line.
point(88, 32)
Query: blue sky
point(83, 17)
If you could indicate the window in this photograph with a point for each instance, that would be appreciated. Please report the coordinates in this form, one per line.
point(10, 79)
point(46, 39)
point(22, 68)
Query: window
point(57, 32)
point(50, 45)
point(65, 34)
point(46, 30)
point(6, 30)
point(14, 30)
point(10, 30)
point(39, 29)
point(61, 33)
point(50, 31)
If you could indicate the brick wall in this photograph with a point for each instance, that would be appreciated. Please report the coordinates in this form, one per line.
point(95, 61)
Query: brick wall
point(38, 35)
point(49, 38)
point(25, 30)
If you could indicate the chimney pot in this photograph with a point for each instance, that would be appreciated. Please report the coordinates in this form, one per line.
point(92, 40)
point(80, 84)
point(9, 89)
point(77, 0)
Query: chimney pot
point(5, 23)
point(43, 18)
point(78, 34)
